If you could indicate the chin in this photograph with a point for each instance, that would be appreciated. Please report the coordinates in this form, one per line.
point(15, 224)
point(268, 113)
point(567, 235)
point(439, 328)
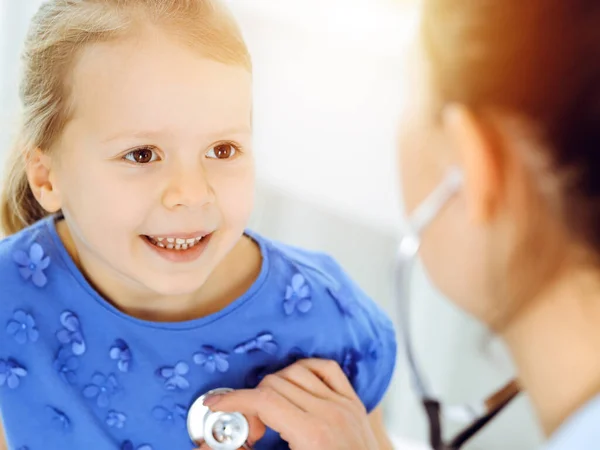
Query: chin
point(170, 286)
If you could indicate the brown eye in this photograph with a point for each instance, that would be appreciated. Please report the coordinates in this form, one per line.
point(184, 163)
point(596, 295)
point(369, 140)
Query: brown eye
point(222, 151)
point(142, 156)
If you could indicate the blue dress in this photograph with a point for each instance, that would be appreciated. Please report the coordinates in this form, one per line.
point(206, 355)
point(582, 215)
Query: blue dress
point(77, 373)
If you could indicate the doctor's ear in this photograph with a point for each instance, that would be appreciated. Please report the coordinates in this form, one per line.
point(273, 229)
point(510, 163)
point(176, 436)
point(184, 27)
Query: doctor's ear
point(40, 176)
point(480, 157)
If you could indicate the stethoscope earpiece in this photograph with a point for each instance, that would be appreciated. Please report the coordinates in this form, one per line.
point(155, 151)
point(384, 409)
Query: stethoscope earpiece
point(219, 430)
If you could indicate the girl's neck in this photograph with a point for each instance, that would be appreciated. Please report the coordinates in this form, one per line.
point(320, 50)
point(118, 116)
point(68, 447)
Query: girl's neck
point(555, 342)
point(231, 279)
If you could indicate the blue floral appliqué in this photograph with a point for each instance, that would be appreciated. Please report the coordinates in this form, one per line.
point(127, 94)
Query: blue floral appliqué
point(102, 388)
point(59, 419)
point(374, 350)
point(263, 342)
point(11, 373)
point(175, 376)
point(115, 419)
point(22, 327)
point(66, 364)
point(256, 375)
point(297, 296)
point(71, 333)
point(122, 354)
point(170, 412)
point(349, 364)
point(345, 300)
point(212, 359)
point(128, 445)
point(32, 265)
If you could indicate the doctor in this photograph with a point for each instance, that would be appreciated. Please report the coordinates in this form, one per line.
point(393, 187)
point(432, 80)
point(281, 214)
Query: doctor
point(509, 95)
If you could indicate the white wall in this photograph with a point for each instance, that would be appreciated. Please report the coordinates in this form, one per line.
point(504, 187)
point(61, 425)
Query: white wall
point(327, 91)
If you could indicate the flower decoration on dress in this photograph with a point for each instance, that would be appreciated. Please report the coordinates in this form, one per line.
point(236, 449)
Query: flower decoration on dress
point(263, 342)
point(170, 412)
point(256, 375)
point(349, 363)
point(71, 333)
point(211, 359)
point(374, 350)
point(115, 419)
point(66, 364)
point(174, 377)
point(102, 389)
point(58, 419)
point(11, 373)
point(297, 296)
point(122, 354)
point(32, 264)
point(22, 327)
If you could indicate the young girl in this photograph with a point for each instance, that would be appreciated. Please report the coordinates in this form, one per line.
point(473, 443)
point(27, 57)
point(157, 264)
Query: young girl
point(129, 284)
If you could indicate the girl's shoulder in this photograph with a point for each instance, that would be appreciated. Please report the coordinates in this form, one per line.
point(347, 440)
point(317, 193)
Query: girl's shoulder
point(25, 262)
point(24, 256)
point(318, 273)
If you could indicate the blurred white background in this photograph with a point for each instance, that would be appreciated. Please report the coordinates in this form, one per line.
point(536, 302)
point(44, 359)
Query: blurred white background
point(328, 88)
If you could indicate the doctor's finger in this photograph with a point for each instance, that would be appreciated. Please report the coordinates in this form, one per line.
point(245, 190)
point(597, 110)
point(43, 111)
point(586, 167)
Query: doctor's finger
point(297, 395)
point(306, 379)
point(270, 407)
point(332, 375)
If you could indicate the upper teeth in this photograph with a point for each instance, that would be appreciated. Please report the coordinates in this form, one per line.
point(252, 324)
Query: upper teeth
point(178, 240)
point(175, 242)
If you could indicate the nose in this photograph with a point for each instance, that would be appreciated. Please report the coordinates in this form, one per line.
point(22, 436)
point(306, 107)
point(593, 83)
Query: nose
point(189, 188)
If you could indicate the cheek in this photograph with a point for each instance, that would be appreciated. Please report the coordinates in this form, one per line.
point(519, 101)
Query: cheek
point(101, 201)
point(453, 250)
point(235, 196)
point(455, 254)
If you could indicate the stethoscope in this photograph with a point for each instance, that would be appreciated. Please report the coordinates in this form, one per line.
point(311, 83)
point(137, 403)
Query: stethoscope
point(219, 430)
point(230, 431)
point(478, 414)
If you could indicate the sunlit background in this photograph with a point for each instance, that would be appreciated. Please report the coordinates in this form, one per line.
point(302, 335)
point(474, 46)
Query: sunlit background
point(328, 87)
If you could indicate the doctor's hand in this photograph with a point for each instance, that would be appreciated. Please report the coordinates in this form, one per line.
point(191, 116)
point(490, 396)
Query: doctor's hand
point(311, 404)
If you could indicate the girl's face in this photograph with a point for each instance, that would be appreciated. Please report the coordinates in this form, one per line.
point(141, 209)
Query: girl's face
point(154, 173)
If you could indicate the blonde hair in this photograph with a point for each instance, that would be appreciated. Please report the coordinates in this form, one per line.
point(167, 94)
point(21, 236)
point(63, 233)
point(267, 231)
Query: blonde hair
point(57, 34)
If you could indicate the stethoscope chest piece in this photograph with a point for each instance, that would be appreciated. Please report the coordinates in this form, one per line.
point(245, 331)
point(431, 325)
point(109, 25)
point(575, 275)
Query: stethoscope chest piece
point(219, 430)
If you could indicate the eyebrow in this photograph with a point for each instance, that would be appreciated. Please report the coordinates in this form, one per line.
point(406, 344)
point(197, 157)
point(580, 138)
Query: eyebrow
point(154, 134)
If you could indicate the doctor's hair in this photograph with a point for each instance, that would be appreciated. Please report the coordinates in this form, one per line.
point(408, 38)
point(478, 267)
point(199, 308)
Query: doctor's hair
point(538, 60)
point(58, 33)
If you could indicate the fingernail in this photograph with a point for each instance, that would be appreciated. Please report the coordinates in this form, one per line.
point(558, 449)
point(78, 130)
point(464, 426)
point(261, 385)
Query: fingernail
point(212, 400)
